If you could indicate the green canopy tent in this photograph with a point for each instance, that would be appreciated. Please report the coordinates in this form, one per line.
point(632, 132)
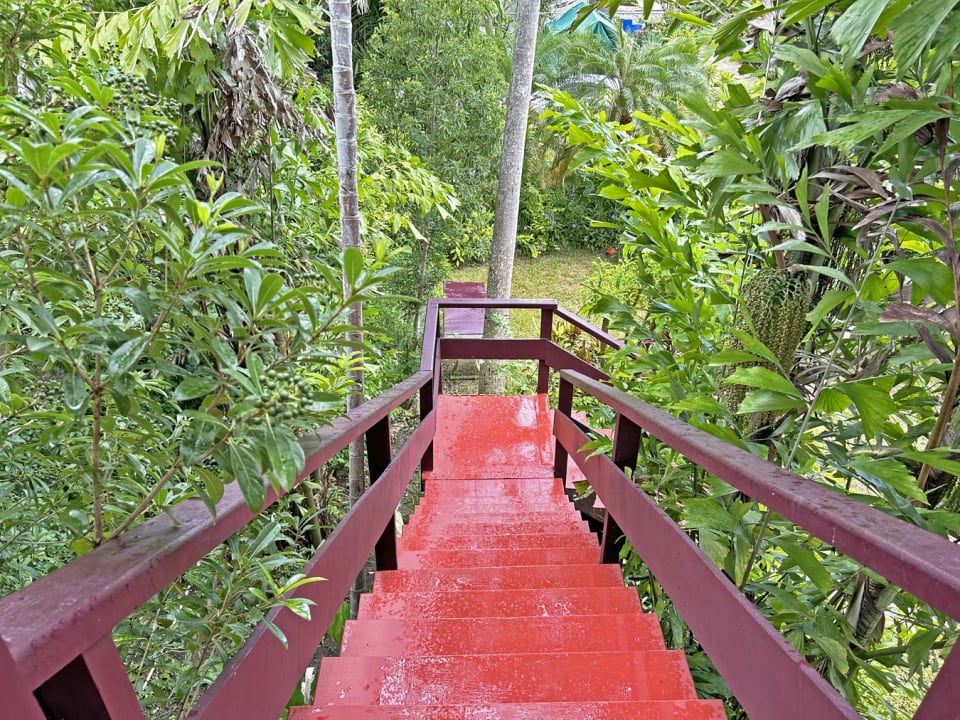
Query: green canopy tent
point(596, 22)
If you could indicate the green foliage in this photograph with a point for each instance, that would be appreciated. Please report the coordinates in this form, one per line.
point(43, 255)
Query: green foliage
point(827, 152)
point(647, 72)
point(434, 79)
point(175, 348)
point(175, 645)
point(30, 34)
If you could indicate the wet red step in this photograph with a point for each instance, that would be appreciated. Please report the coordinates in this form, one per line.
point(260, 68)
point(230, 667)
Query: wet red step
point(648, 710)
point(499, 609)
point(499, 578)
point(533, 602)
point(414, 541)
point(481, 679)
point(492, 635)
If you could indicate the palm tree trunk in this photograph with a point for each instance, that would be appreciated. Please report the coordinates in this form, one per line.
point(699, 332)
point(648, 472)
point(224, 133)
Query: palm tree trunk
point(500, 268)
point(345, 118)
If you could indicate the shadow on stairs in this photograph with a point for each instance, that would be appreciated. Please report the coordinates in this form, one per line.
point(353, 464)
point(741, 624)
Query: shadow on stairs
point(500, 608)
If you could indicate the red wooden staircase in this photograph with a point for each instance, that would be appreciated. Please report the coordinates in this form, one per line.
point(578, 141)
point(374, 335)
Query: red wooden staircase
point(500, 608)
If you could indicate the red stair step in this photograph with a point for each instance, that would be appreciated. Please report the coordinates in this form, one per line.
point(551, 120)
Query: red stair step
point(455, 526)
point(467, 522)
point(414, 559)
point(484, 679)
point(424, 541)
point(488, 436)
point(536, 602)
point(504, 505)
point(636, 710)
point(481, 487)
point(490, 635)
point(517, 577)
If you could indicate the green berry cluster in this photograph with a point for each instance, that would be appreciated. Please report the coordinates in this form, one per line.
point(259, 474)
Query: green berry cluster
point(286, 395)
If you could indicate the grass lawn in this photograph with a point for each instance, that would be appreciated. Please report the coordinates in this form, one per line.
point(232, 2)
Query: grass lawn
point(559, 276)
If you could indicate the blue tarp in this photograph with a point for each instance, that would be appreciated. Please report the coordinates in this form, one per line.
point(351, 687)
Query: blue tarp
point(596, 22)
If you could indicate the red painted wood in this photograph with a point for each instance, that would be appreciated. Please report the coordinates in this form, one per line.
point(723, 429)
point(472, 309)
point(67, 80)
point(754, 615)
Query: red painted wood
point(650, 710)
point(768, 676)
point(463, 321)
point(415, 541)
point(499, 635)
point(93, 686)
point(487, 436)
point(924, 564)
point(52, 621)
point(496, 523)
point(16, 698)
point(263, 662)
point(525, 622)
point(943, 698)
point(530, 602)
point(422, 560)
point(486, 679)
point(516, 578)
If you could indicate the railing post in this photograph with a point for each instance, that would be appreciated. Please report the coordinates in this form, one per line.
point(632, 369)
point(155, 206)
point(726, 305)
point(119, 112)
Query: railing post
point(426, 407)
point(379, 455)
point(546, 333)
point(626, 446)
point(18, 701)
point(94, 686)
point(564, 406)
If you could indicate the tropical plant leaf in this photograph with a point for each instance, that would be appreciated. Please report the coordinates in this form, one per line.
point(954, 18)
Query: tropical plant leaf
point(930, 274)
point(897, 312)
point(874, 404)
point(855, 25)
point(761, 377)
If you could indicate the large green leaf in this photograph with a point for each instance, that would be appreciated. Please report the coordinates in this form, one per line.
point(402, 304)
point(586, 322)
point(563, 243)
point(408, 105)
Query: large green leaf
point(930, 274)
point(194, 387)
point(763, 378)
point(126, 356)
point(807, 561)
point(891, 473)
point(874, 404)
point(708, 514)
point(915, 27)
point(852, 29)
point(727, 163)
point(246, 471)
point(758, 401)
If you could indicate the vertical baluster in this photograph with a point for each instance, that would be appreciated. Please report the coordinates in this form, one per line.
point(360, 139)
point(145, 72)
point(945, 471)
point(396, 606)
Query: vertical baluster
point(379, 455)
point(18, 701)
point(546, 333)
point(626, 446)
point(942, 701)
point(565, 407)
point(94, 686)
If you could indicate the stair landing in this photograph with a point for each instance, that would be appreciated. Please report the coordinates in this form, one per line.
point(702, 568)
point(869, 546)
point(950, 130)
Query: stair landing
point(500, 608)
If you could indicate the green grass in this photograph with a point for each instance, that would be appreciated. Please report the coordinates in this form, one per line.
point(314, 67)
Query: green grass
point(559, 276)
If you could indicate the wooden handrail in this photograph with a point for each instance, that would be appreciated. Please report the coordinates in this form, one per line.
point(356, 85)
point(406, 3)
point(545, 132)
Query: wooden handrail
point(61, 619)
point(48, 631)
point(765, 673)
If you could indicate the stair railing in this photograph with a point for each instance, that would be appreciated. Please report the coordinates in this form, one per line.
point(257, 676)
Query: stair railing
point(58, 659)
point(765, 672)
point(57, 655)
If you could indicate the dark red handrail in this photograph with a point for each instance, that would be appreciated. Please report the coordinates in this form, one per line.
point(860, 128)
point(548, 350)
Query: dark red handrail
point(57, 652)
point(766, 674)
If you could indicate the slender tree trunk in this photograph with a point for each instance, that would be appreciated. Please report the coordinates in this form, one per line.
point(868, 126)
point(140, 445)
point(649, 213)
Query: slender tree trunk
point(500, 269)
point(345, 118)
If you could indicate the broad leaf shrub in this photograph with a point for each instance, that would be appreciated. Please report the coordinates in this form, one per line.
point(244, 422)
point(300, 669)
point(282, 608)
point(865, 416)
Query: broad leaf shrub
point(155, 347)
point(839, 185)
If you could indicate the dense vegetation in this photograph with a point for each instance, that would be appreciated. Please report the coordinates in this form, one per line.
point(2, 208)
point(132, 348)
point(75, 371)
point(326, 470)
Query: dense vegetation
point(775, 185)
point(789, 283)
